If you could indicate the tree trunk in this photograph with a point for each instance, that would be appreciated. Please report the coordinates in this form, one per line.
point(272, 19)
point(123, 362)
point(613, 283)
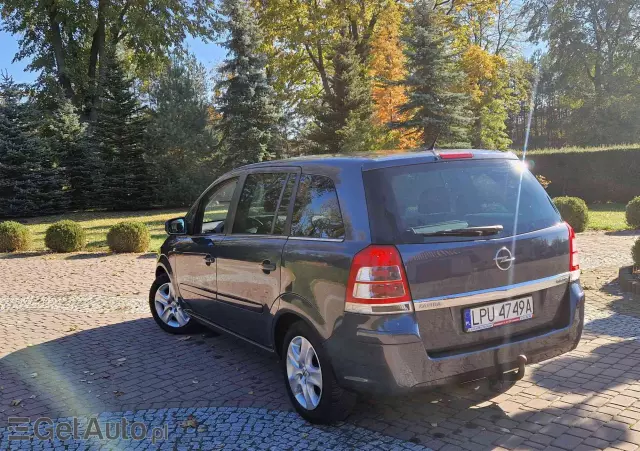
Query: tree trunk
point(96, 57)
point(58, 52)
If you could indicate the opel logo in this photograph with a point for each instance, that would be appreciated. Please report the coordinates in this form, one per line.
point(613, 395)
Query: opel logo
point(504, 259)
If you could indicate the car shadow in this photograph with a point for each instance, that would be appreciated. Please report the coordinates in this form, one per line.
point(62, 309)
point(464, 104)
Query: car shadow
point(133, 365)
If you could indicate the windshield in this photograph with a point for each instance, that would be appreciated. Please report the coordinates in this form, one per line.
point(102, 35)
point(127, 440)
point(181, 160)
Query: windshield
point(438, 201)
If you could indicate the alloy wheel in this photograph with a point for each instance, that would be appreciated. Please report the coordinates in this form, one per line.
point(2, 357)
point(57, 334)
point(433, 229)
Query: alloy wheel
point(304, 373)
point(168, 308)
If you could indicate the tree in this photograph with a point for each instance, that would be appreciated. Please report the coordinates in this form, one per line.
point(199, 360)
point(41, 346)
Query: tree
point(486, 36)
point(118, 137)
point(69, 40)
point(345, 117)
point(67, 139)
point(180, 138)
point(433, 105)
point(30, 183)
point(594, 47)
point(387, 68)
point(248, 108)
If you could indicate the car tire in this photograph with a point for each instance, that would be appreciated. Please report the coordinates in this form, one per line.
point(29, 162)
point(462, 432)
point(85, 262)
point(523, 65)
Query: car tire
point(332, 403)
point(177, 321)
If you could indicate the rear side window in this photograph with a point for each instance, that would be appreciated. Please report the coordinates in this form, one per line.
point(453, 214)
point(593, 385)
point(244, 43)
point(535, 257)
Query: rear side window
point(258, 202)
point(316, 212)
point(407, 202)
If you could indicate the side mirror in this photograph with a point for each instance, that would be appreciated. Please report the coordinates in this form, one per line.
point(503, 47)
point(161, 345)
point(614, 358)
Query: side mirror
point(175, 226)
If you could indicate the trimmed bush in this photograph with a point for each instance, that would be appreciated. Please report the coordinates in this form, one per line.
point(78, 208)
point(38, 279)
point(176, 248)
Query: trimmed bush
point(635, 253)
point(129, 237)
point(14, 237)
point(573, 210)
point(633, 212)
point(600, 174)
point(65, 236)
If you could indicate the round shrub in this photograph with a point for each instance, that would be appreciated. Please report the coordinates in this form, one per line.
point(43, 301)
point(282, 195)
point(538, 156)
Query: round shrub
point(635, 253)
point(129, 237)
point(14, 237)
point(633, 212)
point(65, 236)
point(573, 210)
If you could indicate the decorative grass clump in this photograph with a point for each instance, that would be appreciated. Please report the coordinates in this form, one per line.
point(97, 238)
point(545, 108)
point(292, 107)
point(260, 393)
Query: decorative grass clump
point(573, 210)
point(14, 237)
point(129, 237)
point(65, 236)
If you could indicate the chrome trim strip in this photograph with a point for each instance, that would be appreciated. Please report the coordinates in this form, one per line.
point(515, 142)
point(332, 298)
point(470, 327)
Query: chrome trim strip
point(491, 294)
point(305, 238)
point(379, 309)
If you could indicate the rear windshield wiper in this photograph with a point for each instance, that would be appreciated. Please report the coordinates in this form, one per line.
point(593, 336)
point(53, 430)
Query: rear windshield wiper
point(467, 231)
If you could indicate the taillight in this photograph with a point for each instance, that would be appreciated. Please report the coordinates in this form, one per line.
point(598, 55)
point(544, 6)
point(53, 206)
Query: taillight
point(377, 282)
point(574, 258)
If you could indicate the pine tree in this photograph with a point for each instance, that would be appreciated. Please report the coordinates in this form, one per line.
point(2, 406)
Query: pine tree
point(118, 137)
point(179, 136)
point(249, 112)
point(433, 105)
point(67, 139)
point(345, 118)
point(30, 182)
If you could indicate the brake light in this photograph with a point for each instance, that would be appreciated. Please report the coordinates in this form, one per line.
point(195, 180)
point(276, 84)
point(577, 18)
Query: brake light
point(377, 282)
point(455, 155)
point(574, 257)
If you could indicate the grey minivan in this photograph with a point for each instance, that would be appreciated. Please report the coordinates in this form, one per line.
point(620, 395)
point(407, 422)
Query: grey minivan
point(377, 273)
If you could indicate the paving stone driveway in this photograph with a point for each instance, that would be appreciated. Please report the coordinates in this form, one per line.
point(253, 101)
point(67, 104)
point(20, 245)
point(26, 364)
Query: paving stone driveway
point(215, 392)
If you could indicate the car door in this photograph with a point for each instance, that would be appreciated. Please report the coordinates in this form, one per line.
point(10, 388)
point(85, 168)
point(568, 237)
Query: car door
point(250, 255)
point(196, 253)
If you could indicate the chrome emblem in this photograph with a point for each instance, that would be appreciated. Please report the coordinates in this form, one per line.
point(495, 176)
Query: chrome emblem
point(504, 259)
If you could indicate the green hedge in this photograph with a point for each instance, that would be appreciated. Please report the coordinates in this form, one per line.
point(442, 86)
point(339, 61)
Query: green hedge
point(14, 237)
point(602, 174)
point(635, 253)
point(131, 236)
point(65, 236)
point(574, 211)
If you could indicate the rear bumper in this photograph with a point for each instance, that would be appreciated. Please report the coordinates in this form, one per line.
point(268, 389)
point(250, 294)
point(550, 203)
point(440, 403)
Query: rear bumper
point(387, 355)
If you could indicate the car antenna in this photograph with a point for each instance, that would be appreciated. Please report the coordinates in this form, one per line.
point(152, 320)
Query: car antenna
point(433, 144)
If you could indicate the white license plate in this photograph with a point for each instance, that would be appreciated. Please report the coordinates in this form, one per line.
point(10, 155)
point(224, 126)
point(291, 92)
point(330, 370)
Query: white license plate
point(493, 315)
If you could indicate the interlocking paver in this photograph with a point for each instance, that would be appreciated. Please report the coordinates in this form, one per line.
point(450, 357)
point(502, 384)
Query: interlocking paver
point(587, 399)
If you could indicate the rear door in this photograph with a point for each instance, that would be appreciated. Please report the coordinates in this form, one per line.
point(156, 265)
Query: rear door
point(250, 256)
point(528, 259)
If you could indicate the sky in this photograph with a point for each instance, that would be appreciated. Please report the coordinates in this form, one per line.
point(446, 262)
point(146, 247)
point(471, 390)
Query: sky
point(209, 54)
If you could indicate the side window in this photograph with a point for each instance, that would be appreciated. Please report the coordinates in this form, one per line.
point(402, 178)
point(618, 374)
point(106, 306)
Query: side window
point(258, 202)
point(316, 213)
point(283, 210)
point(216, 207)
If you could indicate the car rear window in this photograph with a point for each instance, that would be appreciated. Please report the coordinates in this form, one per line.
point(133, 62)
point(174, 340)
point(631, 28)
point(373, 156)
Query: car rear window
point(406, 203)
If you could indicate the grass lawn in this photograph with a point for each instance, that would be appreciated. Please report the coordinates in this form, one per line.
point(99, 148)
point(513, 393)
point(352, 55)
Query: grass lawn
point(607, 217)
point(97, 224)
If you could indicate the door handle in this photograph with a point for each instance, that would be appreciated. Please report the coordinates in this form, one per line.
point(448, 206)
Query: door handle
point(267, 267)
point(208, 259)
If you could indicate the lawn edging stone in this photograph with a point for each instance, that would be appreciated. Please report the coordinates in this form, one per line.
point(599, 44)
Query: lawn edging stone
point(628, 280)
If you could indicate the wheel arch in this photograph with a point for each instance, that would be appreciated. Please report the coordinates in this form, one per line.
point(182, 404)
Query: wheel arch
point(292, 308)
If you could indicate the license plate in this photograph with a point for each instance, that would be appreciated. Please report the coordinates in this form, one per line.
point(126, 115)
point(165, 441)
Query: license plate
point(493, 315)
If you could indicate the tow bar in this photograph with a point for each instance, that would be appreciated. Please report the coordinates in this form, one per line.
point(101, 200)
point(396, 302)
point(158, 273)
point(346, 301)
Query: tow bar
point(515, 375)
